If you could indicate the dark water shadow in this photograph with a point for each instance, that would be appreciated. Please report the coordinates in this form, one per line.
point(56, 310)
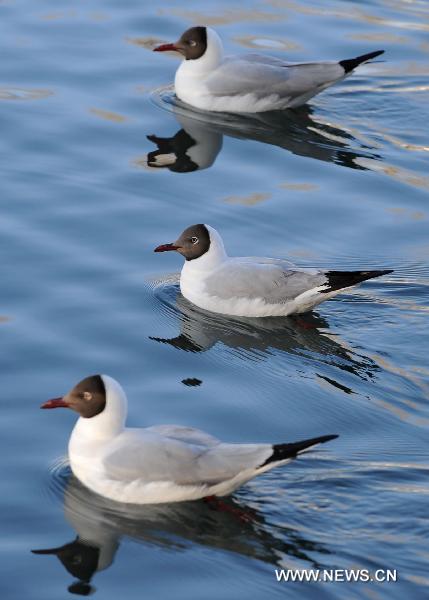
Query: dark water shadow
point(199, 139)
point(257, 339)
point(100, 524)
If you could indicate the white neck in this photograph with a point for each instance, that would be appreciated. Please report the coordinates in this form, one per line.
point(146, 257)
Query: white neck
point(111, 421)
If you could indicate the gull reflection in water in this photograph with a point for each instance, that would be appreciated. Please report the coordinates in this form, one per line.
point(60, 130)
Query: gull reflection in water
point(259, 339)
point(100, 524)
point(199, 140)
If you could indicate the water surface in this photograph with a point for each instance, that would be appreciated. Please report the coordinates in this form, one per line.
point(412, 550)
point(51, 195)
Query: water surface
point(86, 197)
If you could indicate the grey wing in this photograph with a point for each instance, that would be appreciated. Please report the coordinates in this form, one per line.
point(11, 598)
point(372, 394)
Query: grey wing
point(148, 456)
point(275, 282)
point(257, 74)
point(189, 435)
point(281, 262)
point(263, 59)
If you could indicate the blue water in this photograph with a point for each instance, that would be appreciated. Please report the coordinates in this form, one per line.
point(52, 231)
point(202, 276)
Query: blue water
point(342, 183)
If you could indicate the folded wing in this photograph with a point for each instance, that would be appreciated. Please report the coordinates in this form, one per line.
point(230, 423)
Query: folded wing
point(273, 281)
point(258, 75)
point(183, 456)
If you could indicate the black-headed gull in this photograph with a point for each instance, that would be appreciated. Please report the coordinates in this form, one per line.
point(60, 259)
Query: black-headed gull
point(165, 463)
point(251, 286)
point(249, 83)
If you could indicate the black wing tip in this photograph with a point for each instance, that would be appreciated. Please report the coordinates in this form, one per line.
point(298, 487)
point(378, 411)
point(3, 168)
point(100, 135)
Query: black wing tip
point(339, 280)
point(381, 272)
point(327, 438)
point(291, 450)
point(351, 63)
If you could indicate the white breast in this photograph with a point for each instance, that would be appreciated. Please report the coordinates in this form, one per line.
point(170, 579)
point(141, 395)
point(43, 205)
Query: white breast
point(189, 86)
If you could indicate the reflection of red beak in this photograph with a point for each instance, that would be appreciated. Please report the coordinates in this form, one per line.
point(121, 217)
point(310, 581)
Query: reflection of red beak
point(166, 48)
point(55, 403)
point(166, 248)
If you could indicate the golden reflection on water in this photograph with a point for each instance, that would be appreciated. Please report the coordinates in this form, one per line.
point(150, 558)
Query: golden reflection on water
point(409, 25)
point(403, 69)
point(418, 579)
point(405, 212)
point(391, 38)
point(400, 413)
point(354, 132)
point(357, 14)
point(145, 42)
point(225, 18)
point(108, 115)
point(395, 141)
point(299, 187)
point(23, 94)
point(395, 172)
point(59, 15)
point(73, 14)
point(257, 42)
point(305, 10)
point(330, 136)
point(405, 373)
point(405, 305)
point(249, 200)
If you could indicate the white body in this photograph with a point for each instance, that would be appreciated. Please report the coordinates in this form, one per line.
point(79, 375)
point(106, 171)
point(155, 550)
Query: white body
point(167, 463)
point(250, 83)
point(250, 286)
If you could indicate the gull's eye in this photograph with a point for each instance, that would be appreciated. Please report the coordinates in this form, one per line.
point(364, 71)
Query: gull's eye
point(87, 396)
point(194, 240)
point(192, 43)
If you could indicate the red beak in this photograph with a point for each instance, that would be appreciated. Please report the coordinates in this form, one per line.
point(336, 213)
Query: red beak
point(166, 248)
point(166, 48)
point(55, 403)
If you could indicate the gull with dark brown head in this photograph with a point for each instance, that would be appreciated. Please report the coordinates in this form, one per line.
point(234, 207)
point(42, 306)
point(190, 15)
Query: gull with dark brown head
point(208, 80)
point(251, 286)
point(164, 463)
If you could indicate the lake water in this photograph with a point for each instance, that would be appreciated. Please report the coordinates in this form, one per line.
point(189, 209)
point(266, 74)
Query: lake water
point(342, 183)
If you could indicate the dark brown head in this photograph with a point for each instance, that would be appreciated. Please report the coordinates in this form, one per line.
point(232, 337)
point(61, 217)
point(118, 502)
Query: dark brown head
point(88, 398)
point(193, 242)
point(80, 559)
point(192, 44)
